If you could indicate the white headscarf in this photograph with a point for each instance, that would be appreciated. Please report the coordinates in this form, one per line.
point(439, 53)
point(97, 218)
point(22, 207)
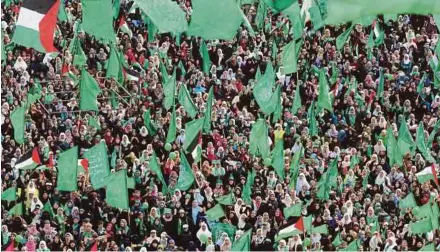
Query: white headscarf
point(203, 235)
point(35, 204)
point(301, 181)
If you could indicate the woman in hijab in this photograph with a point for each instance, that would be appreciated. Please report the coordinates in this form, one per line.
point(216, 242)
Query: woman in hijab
point(31, 244)
point(20, 65)
point(36, 202)
point(302, 181)
point(295, 243)
point(43, 247)
point(203, 234)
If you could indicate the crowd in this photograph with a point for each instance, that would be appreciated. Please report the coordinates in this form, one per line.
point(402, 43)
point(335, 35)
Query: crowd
point(364, 204)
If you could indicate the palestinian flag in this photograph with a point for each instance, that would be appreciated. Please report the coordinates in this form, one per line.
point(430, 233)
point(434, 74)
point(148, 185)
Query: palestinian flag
point(427, 174)
point(294, 229)
point(197, 152)
point(131, 75)
point(29, 160)
point(123, 26)
point(36, 24)
point(83, 165)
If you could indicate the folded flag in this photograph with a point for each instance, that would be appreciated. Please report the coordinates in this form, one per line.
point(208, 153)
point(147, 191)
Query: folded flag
point(421, 226)
point(215, 213)
point(429, 173)
point(36, 24)
point(408, 202)
point(123, 26)
point(18, 123)
point(294, 229)
point(197, 152)
point(28, 161)
point(243, 243)
point(294, 210)
point(226, 199)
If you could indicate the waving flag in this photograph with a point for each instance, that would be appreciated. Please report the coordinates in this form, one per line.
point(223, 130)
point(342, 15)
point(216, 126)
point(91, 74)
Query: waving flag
point(36, 25)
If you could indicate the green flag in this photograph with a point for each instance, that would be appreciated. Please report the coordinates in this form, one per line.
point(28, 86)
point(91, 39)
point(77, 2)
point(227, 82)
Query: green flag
point(186, 176)
point(381, 85)
point(342, 39)
point(324, 100)
point(166, 15)
point(117, 196)
point(212, 19)
point(315, 16)
point(185, 100)
point(247, 190)
point(48, 208)
point(226, 199)
point(9, 194)
point(259, 144)
point(62, 15)
point(215, 213)
point(293, 13)
point(308, 223)
point(393, 153)
point(432, 135)
point(68, 170)
point(278, 158)
point(243, 243)
point(421, 226)
point(208, 111)
point(113, 159)
point(322, 229)
point(294, 168)
point(18, 123)
point(114, 66)
point(276, 101)
point(155, 167)
point(192, 131)
point(171, 133)
point(98, 165)
point(91, 121)
point(408, 202)
point(353, 246)
point(337, 241)
point(421, 212)
point(16, 210)
point(79, 57)
point(152, 130)
point(182, 68)
point(206, 65)
point(89, 90)
point(95, 23)
point(219, 228)
point(422, 83)
point(296, 105)
point(421, 145)
point(294, 210)
point(169, 89)
point(405, 141)
point(289, 58)
point(313, 124)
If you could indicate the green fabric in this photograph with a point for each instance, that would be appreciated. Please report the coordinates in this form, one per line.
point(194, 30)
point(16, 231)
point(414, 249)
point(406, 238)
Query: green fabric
point(262, 91)
point(296, 105)
point(294, 210)
point(18, 123)
point(48, 208)
point(114, 68)
point(93, 122)
point(169, 90)
point(432, 135)
point(185, 100)
point(113, 159)
point(226, 199)
point(421, 226)
point(308, 223)
point(62, 15)
point(315, 16)
point(208, 111)
point(428, 247)
point(278, 159)
point(294, 168)
point(206, 61)
point(275, 101)
point(421, 145)
point(405, 141)
point(172, 130)
point(422, 83)
point(16, 210)
point(393, 153)
point(117, 196)
point(95, 23)
point(353, 246)
point(219, 228)
point(186, 176)
point(212, 19)
point(165, 14)
point(324, 100)
point(152, 130)
point(98, 165)
point(293, 13)
point(155, 167)
point(215, 213)
point(423, 211)
point(247, 190)
point(407, 202)
point(259, 144)
point(27, 37)
point(79, 57)
point(342, 39)
point(9, 194)
point(322, 229)
point(89, 90)
point(313, 124)
point(243, 243)
point(67, 170)
point(289, 59)
point(337, 241)
point(192, 131)
point(381, 85)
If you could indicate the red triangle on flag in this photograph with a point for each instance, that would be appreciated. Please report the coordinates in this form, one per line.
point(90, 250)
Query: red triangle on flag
point(85, 164)
point(300, 224)
point(36, 156)
point(94, 246)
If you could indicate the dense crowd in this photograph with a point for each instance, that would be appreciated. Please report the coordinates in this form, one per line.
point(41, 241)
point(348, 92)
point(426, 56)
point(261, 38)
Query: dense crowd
point(365, 205)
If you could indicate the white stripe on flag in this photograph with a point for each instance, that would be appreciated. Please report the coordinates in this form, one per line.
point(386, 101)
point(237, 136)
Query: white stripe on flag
point(25, 163)
point(29, 19)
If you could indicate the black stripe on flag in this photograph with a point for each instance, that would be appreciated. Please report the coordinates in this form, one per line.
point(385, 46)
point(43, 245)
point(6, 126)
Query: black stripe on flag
point(34, 155)
point(132, 72)
point(40, 6)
